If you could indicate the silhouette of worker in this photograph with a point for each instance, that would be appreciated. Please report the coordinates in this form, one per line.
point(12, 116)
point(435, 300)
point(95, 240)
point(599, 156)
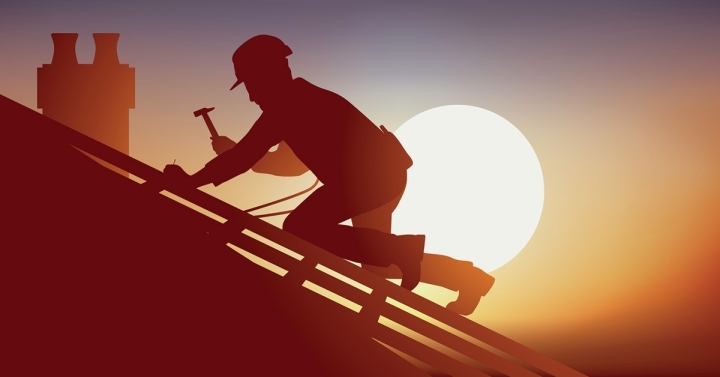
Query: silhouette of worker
point(363, 169)
point(359, 165)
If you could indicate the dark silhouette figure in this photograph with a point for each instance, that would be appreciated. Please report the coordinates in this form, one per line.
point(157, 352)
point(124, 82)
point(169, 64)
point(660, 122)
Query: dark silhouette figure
point(361, 166)
point(363, 169)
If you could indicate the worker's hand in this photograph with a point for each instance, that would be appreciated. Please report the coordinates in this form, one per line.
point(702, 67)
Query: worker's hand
point(176, 174)
point(222, 144)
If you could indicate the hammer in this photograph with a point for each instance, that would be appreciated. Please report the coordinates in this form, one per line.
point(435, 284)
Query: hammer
point(204, 112)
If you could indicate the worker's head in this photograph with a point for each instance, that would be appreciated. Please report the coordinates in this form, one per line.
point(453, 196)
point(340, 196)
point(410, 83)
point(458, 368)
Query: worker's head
point(261, 63)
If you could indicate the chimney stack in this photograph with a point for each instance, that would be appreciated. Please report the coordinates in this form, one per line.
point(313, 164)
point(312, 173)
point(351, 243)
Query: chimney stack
point(94, 99)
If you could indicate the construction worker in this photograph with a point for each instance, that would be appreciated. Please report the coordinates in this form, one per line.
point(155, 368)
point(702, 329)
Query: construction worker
point(357, 162)
point(363, 168)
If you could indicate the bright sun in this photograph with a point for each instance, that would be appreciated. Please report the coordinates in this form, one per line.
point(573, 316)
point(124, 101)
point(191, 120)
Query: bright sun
point(476, 186)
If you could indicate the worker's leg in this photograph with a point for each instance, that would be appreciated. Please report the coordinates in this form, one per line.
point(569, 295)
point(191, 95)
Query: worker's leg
point(471, 283)
point(317, 219)
point(380, 219)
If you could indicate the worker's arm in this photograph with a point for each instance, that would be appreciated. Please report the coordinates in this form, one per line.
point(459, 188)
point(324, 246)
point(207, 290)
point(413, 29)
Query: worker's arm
point(241, 157)
point(222, 144)
point(282, 162)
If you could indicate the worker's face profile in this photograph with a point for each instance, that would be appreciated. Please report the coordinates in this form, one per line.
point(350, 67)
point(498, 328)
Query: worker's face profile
point(258, 91)
point(262, 86)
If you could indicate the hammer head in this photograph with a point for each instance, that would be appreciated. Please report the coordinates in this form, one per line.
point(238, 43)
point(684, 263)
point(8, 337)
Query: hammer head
point(203, 111)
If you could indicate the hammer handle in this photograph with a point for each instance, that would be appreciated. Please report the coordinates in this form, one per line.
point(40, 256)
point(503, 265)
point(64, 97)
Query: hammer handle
point(210, 125)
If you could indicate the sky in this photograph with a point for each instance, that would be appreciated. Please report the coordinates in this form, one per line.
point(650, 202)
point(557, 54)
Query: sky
point(619, 99)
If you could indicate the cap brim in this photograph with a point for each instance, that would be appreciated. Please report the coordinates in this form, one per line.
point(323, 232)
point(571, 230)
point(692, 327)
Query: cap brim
point(236, 84)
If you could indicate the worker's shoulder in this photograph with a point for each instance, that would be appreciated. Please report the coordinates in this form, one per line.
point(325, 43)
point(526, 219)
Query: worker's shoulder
point(303, 85)
point(309, 91)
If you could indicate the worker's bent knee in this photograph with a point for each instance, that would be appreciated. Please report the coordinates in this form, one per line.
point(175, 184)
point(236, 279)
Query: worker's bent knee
point(308, 227)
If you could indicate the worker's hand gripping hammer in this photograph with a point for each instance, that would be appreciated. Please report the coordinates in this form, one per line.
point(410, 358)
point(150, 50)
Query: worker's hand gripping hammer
point(220, 144)
point(204, 112)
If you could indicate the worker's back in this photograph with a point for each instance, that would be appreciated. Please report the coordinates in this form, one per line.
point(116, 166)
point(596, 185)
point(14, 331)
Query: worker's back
point(336, 141)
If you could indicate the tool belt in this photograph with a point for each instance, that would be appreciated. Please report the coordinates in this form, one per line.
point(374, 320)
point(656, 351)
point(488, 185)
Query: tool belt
point(397, 153)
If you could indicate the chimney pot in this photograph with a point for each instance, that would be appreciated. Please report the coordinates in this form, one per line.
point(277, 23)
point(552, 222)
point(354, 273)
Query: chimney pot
point(106, 48)
point(64, 44)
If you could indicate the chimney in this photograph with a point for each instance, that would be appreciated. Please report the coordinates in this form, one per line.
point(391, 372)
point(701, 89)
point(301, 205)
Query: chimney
point(94, 99)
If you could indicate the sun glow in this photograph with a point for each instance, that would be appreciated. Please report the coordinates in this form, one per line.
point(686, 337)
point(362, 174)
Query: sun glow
point(476, 187)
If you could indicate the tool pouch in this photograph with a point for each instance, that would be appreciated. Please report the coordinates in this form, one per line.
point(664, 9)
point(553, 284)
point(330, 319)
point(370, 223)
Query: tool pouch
point(398, 154)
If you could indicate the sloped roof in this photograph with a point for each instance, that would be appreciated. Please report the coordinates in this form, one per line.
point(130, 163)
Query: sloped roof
point(101, 278)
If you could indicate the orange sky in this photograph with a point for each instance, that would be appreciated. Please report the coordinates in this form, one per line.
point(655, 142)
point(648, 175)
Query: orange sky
point(620, 103)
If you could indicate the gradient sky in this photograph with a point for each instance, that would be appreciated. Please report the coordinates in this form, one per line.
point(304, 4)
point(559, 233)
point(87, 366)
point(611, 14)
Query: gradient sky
point(620, 100)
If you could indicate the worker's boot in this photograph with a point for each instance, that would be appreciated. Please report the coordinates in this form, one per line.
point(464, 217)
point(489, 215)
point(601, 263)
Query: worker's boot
point(472, 284)
point(407, 256)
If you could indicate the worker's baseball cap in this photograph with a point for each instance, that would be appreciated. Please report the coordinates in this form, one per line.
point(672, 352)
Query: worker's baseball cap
point(256, 52)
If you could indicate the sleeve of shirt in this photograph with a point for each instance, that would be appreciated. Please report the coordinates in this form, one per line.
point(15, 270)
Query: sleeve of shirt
point(262, 136)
